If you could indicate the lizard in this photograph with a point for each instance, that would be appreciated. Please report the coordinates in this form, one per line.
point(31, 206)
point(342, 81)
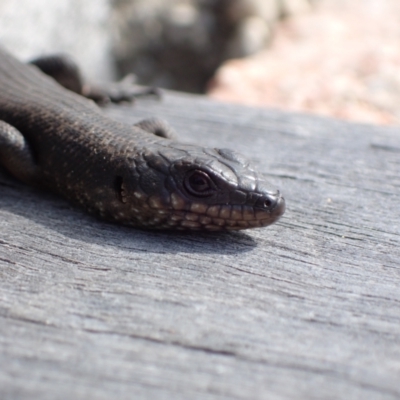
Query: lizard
point(55, 137)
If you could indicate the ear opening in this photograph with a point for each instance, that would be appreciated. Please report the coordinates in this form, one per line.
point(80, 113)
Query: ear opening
point(119, 189)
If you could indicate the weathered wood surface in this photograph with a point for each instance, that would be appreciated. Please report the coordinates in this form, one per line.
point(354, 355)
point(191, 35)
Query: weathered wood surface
point(306, 309)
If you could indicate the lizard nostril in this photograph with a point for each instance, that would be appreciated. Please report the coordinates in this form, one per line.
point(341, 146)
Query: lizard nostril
point(271, 200)
point(267, 203)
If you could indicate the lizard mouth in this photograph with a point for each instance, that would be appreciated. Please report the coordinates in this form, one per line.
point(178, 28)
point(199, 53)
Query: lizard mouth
point(198, 216)
point(236, 217)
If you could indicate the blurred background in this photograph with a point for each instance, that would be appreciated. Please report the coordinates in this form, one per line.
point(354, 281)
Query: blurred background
point(338, 58)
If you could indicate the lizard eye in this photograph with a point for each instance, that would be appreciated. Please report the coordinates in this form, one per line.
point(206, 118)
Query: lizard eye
point(198, 183)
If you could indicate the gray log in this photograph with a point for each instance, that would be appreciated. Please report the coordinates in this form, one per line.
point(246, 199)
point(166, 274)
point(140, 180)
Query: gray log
point(306, 309)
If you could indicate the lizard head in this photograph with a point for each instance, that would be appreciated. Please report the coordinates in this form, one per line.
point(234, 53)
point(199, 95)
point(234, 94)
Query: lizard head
point(187, 187)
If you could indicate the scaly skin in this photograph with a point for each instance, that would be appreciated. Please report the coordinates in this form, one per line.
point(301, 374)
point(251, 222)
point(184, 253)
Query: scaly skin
point(58, 140)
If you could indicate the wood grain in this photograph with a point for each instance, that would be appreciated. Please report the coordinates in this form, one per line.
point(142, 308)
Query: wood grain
point(306, 309)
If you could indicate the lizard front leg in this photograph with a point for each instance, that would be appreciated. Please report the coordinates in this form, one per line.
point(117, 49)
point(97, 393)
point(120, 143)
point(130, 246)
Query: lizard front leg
point(16, 155)
point(157, 127)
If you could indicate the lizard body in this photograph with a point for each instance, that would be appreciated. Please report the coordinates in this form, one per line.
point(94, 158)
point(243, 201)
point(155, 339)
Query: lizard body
point(53, 138)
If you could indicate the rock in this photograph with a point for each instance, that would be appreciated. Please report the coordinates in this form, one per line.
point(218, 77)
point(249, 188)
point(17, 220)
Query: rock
point(292, 7)
point(348, 70)
point(180, 43)
point(252, 35)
